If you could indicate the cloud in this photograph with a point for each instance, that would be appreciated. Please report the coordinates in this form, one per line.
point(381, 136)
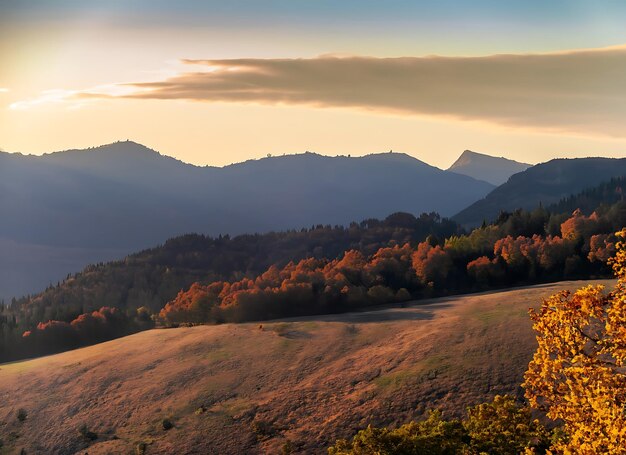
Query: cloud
point(74, 99)
point(3, 90)
point(55, 96)
point(579, 91)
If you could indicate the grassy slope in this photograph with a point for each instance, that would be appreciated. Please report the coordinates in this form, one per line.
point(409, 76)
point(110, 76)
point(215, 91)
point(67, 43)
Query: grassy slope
point(315, 379)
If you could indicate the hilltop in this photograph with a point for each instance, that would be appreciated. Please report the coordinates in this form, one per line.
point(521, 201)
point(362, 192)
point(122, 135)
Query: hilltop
point(495, 170)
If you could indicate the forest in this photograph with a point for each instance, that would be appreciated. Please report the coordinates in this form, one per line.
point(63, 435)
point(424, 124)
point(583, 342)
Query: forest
point(490, 257)
point(198, 279)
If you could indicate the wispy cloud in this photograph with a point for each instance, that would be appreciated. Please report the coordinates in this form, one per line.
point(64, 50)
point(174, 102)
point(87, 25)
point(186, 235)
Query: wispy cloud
point(580, 91)
point(74, 99)
point(3, 89)
point(55, 96)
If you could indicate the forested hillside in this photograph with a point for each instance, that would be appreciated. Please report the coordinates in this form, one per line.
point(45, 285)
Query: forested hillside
point(518, 250)
point(545, 183)
point(151, 278)
point(605, 194)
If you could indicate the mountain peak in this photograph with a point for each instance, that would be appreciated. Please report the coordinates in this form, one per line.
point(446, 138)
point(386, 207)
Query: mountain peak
point(469, 156)
point(495, 170)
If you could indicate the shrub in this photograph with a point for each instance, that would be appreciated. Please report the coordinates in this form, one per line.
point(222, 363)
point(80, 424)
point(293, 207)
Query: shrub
point(499, 428)
point(140, 448)
point(21, 414)
point(167, 424)
point(87, 434)
point(263, 428)
point(502, 427)
point(433, 436)
point(287, 448)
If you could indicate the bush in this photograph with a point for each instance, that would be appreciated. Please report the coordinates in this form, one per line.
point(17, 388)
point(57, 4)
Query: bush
point(263, 428)
point(87, 434)
point(21, 414)
point(501, 428)
point(167, 424)
point(287, 448)
point(433, 436)
point(140, 448)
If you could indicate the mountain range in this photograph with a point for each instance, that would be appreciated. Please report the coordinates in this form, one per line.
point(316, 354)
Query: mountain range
point(63, 210)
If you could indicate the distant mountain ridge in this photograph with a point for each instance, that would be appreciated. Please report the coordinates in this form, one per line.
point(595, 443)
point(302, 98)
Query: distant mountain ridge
point(64, 210)
point(495, 170)
point(545, 183)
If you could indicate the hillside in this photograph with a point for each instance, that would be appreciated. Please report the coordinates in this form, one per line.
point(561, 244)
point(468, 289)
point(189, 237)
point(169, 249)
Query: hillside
point(323, 270)
point(241, 388)
point(495, 170)
point(153, 277)
point(64, 210)
point(545, 183)
point(590, 199)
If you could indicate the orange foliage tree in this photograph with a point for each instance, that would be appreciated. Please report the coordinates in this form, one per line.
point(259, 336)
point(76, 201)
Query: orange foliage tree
point(578, 373)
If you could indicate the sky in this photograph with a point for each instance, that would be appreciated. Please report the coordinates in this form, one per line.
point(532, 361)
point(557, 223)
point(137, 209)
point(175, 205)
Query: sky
point(221, 82)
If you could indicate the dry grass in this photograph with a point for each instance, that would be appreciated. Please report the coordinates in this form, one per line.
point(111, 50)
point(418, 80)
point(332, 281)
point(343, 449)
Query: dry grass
point(309, 380)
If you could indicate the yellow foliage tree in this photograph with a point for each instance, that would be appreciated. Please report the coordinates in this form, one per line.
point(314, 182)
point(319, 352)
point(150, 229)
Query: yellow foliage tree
point(578, 373)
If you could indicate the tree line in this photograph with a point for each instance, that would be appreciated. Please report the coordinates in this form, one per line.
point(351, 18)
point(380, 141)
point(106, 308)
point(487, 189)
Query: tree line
point(487, 258)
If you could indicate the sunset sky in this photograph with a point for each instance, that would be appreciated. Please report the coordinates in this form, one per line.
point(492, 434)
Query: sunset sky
point(223, 82)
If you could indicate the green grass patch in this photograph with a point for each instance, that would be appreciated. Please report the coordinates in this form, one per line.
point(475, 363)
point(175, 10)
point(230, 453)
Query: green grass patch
point(281, 328)
point(217, 355)
point(496, 314)
point(395, 379)
point(234, 406)
point(309, 325)
point(427, 368)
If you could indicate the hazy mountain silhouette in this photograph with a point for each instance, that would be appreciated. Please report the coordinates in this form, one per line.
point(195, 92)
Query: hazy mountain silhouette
point(545, 183)
point(63, 210)
point(495, 170)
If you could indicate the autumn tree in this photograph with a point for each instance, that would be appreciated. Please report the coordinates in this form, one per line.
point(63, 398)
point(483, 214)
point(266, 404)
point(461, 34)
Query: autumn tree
point(500, 427)
point(431, 264)
point(503, 427)
point(485, 272)
point(578, 373)
point(601, 248)
point(432, 436)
